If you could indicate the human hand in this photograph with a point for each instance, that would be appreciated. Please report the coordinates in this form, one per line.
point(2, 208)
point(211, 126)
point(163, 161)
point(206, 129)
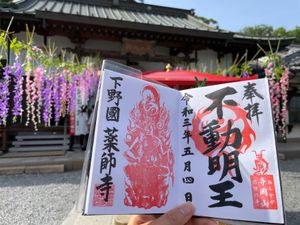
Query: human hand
point(181, 215)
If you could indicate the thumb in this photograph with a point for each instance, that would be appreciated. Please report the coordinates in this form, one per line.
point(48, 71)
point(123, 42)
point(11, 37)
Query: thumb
point(178, 216)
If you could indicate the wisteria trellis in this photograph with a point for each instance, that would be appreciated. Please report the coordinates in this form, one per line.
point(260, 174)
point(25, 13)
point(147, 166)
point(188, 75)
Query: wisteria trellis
point(278, 90)
point(44, 92)
point(48, 87)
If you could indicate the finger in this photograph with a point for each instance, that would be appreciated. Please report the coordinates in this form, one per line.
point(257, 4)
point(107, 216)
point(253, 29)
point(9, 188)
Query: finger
point(203, 221)
point(140, 219)
point(178, 216)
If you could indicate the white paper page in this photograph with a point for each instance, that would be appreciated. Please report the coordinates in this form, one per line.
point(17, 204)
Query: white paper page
point(239, 139)
point(139, 119)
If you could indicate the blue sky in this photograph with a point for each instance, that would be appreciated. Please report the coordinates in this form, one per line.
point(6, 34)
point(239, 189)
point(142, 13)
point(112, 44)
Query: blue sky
point(233, 15)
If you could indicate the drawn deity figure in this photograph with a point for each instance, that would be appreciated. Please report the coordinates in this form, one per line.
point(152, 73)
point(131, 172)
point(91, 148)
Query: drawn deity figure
point(261, 165)
point(149, 172)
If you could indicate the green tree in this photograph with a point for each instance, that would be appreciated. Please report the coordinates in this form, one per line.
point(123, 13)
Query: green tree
point(268, 31)
point(208, 21)
point(258, 30)
point(280, 32)
point(295, 33)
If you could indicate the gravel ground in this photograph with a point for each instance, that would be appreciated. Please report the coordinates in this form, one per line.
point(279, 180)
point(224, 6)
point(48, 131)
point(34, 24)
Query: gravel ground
point(290, 176)
point(41, 199)
point(47, 199)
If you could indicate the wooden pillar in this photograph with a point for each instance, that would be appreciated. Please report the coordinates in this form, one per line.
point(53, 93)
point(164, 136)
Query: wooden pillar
point(45, 40)
point(45, 32)
point(4, 139)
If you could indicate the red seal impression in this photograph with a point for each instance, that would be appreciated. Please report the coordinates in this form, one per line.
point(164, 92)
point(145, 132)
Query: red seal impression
point(99, 197)
point(263, 187)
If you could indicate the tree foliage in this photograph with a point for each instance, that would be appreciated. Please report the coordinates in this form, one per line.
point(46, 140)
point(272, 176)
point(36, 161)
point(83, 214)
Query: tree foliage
point(258, 30)
point(208, 21)
point(295, 33)
point(268, 31)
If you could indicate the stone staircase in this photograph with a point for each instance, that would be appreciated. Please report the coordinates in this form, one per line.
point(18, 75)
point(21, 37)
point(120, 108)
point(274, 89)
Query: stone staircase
point(38, 152)
point(39, 141)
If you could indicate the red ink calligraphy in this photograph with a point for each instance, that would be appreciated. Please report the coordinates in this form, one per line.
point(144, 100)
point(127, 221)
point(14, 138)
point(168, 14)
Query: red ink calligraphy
point(149, 172)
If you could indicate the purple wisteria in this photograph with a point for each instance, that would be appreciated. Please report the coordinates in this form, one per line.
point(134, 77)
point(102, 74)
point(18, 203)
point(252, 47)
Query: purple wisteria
point(63, 84)
point(18, 91)
point(4, 97)
point(38, 74)
point(56, 97)
point(49, 93)
point(47, 97)
point(73, 85)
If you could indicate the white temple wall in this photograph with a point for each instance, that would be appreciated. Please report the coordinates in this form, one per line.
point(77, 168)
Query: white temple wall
point(207, 60)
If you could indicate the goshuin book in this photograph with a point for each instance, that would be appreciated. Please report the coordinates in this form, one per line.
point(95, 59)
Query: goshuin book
point(155, 148)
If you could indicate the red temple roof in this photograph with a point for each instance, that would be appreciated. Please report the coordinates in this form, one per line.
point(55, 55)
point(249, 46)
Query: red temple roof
point(184, 77)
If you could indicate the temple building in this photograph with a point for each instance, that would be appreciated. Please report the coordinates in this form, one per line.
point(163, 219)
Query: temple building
point(137, 34)
point(147, 37)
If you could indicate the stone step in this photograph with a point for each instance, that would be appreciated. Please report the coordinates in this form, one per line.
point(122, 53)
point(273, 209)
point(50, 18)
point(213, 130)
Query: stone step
point(57, 168)
point(41, 136)
point(38, 148)
point(41, 142)
point(33, 154)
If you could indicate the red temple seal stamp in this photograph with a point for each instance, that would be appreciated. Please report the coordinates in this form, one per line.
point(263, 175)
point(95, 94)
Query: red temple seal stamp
point(263, 192)
point(100, 199)
point(262, 184)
